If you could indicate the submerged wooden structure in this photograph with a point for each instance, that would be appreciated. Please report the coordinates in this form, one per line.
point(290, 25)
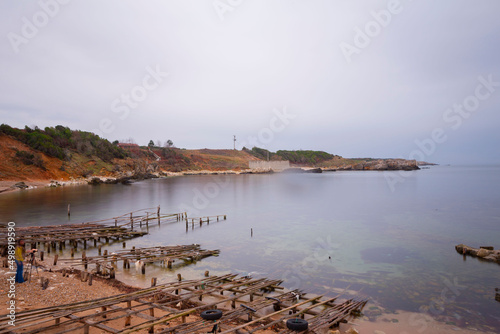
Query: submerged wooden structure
point(104, 264)
point(248, 305)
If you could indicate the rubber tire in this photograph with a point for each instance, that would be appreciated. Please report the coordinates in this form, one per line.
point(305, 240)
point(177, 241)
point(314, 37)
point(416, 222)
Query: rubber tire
point(297, 324)
point(211, 314)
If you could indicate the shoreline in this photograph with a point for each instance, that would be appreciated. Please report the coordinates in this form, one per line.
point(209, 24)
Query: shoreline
point(9, 186)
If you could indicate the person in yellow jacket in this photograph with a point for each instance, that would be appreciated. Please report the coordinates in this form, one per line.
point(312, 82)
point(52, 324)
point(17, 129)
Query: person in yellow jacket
point(19, 257)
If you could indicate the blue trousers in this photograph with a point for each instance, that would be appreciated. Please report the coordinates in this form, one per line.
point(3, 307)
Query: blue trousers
point(19, 272)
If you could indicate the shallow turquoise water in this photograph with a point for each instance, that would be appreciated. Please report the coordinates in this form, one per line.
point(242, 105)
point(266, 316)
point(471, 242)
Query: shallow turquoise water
point(318, 231)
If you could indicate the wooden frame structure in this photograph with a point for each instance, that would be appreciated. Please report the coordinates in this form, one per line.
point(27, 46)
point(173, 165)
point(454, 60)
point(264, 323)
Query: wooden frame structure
point(248, 305)
point(166, 255)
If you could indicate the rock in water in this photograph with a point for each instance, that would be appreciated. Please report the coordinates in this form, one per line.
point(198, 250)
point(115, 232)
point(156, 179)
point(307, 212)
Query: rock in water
point(483, 252)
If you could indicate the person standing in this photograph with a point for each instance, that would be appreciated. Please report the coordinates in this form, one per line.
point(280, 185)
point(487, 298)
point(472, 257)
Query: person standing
point(19, 257)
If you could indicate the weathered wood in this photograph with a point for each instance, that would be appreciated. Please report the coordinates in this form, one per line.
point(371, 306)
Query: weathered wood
point(102, 313)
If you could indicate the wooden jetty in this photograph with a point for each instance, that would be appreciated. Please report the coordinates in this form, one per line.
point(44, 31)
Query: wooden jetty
point(104, 263)
point(248, 305)
point(200, 220)
point(116, 228)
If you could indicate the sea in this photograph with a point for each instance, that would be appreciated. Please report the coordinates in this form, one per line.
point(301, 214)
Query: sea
point(389, 236)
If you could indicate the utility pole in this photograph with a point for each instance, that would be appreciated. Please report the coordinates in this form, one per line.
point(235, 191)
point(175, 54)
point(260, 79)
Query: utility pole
point(234, 142)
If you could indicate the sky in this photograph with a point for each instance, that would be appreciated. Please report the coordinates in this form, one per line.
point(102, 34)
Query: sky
point(413, 79)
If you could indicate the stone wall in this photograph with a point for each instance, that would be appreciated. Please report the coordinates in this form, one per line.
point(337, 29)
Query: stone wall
point(266, 165)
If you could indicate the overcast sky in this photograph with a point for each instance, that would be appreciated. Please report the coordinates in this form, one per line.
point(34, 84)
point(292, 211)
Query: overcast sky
point(410, 79)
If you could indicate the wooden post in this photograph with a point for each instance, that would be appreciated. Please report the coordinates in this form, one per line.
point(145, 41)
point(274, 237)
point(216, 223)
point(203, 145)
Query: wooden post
point(41, 255)
point(152, 314)
point(90, 279)
point(131, 222)
point(105, 254)
point(251, 232)
point(116, 222)
point(47, 247)
point(208, 220)
point(55, 259)
point(84, 243)
point(233, 303)
point(224, 217)
point(72, 252)
point(99, 249)
point(169, 264)
point(61, 243)
point(98, 268)
point(143, 268)
point(153, 281)
point(95, 242)
point(84, 259)
point(179, 277)
point(207, 273)
point(69, 211)
point(112, 273)
point(125, 262)
point(128, 317)
point(124, 244)
point(103, 309)
point(86, 328)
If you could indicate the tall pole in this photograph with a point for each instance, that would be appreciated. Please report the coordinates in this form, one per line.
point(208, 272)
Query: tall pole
point(234, 142)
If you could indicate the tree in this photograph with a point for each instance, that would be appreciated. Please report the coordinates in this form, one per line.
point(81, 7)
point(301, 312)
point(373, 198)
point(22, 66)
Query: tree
point(169, 143)
point(151, 143)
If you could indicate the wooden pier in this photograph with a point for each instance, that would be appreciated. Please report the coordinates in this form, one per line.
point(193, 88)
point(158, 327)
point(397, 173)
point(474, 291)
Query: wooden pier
point(102, 231)
point(200, 220)
point(104, 264)
point(245, 305)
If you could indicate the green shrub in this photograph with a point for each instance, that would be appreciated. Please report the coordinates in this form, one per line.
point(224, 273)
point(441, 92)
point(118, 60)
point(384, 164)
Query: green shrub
point(56, 142)
point(28, 158)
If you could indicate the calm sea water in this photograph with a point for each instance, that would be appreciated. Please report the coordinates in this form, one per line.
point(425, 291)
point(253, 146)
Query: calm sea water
point(318, 232)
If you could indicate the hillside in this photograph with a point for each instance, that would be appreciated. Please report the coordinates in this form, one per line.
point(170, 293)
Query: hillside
point(59, 153)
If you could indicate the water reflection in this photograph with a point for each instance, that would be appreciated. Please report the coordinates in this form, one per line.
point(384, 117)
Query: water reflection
point(315, 230)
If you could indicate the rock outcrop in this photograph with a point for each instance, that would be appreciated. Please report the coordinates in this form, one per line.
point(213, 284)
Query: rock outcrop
point(387, 164)
point(486, 253)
